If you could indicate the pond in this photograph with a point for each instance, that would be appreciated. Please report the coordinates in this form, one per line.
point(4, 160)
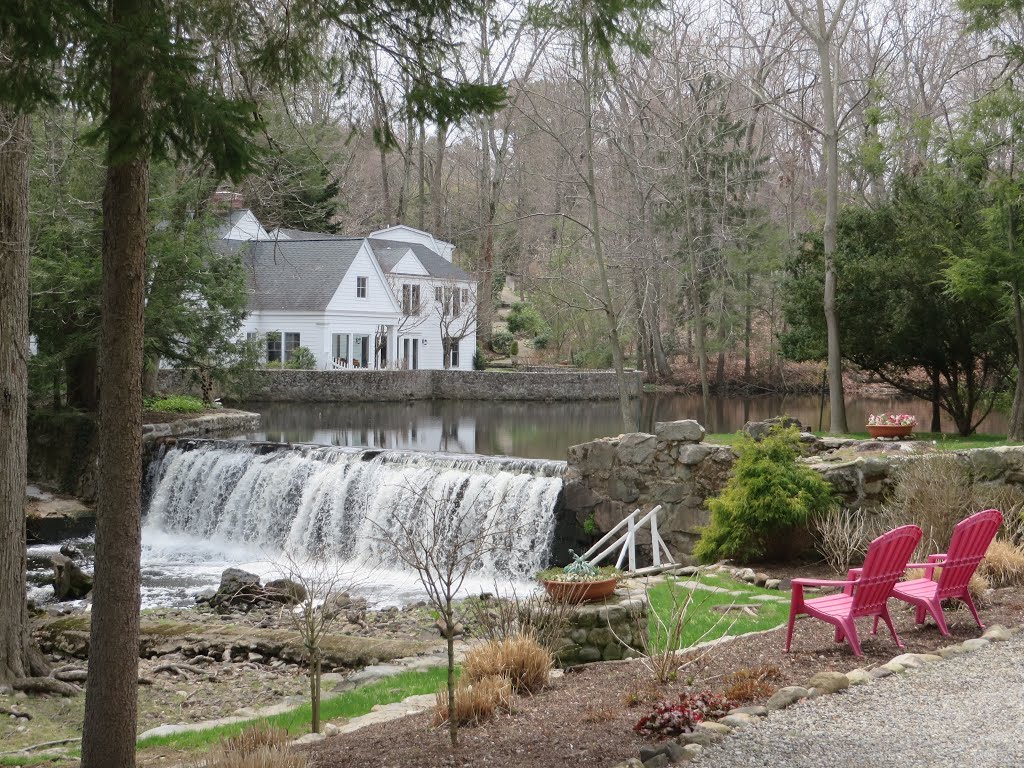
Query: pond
point(544, 430)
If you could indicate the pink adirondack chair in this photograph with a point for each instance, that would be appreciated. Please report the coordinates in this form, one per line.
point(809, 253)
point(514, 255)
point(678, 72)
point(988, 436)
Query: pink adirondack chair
point(866, 590)
point(968, 546)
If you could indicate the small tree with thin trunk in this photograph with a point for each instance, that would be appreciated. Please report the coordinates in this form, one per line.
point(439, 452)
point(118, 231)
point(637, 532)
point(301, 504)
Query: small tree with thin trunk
point(313, 586)
point(445, 538)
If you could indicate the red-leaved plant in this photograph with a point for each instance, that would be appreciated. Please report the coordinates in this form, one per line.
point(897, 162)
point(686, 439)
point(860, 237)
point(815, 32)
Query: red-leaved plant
point(670, 719)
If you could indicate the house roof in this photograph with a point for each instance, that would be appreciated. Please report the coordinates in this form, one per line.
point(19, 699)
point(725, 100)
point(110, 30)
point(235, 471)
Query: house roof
point(296, 275)
point(389, 252)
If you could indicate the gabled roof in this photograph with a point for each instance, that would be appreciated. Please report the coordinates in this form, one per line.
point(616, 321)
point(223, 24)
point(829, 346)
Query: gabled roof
point(241, 225)
point(296, 275)
point(389, 253)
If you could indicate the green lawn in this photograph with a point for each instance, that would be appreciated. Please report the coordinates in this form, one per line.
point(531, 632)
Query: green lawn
point(946, 440)
point(296, 722)
point(702, 623)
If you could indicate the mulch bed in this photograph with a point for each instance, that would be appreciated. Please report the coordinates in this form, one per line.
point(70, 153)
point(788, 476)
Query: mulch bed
point(586, 718)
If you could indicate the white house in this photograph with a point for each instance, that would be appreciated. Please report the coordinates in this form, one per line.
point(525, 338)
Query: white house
point(392, 299)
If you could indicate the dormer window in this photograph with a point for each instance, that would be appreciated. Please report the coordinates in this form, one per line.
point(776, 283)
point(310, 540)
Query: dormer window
point(360, 287)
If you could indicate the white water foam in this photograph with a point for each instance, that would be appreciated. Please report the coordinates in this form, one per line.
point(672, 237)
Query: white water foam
point(216, 504)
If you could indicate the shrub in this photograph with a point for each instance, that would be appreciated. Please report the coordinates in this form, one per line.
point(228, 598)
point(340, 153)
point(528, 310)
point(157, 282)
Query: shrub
point(1003, 565)
point(541, 341)
point(474, 703)
point(841, 537)
point(525, 319)
point(175, 404)
point(501, 342)
point(542, 619)
point(766, 497)
point(479, 360)
point(255, 747)
point(513, 349)
point(670, 719)
point(520, 659)
point(934, 493)
point(752, 683)
point(302, 359)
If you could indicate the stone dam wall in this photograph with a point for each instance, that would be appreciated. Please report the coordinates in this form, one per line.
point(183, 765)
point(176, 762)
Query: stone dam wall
point(398, 386)
point(609, 478)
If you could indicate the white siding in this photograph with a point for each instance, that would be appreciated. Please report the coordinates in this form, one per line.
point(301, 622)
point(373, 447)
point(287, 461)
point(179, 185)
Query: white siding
point(379, 298)
point(409, 265)
point(247, 228)
point(309, 326)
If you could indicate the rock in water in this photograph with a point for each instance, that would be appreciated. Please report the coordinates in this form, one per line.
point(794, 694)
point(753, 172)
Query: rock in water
point(69, 581)
point(285, 591)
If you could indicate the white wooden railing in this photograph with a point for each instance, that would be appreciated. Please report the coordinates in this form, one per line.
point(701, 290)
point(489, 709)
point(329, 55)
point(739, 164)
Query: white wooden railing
point(627, 540)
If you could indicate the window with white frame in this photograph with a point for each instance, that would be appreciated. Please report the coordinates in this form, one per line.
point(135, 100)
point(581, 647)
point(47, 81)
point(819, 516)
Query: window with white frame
point(360, 287)
point(451, 351)
point(291, 343)
point(273, 347)
point(410, 299)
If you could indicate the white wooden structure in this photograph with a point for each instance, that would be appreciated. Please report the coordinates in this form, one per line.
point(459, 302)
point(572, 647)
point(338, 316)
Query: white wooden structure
point(626, 544)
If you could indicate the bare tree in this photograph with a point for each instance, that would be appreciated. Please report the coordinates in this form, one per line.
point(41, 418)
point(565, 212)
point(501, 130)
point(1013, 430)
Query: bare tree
point(445, 538)
point(311, 587)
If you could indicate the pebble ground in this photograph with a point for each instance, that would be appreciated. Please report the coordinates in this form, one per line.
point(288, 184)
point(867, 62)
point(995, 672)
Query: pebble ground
point(964, 711)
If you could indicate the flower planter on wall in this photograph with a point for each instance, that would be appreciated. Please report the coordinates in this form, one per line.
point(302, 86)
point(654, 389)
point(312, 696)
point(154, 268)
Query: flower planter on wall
point(890, 430)
point(579, 591)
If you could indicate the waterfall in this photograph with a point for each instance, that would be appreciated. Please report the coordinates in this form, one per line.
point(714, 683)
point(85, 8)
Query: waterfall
point(315, 501)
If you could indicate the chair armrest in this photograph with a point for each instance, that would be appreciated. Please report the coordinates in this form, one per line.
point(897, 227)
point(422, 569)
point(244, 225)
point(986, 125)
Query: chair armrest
point(922, 565)
point(822, 582)
point(936, 558)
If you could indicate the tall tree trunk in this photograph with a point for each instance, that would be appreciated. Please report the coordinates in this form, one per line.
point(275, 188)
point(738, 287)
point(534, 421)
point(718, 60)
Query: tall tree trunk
point(837, 401)
point(618, 359)
point(421, 179)
point(449, 624)
point(936, 402)
point(15, 149)
point(108, 737)
point(748, 323)
point(437, 180)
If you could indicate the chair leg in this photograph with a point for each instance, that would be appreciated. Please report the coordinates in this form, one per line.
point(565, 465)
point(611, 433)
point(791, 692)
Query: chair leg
point(974, 611)
point(789, 630)
point(935, 609)
point(839, 636)
point(892, 630)
point(851, 636)
point(874, 626)
point(919, 615)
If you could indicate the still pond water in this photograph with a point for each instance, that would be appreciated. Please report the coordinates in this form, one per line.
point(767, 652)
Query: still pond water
point(542, 430)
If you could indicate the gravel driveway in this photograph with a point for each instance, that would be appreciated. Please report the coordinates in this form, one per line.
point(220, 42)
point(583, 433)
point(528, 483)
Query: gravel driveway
point(965, 711)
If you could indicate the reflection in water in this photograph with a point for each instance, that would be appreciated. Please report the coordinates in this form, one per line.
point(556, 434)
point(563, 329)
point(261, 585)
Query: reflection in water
point(544, 430)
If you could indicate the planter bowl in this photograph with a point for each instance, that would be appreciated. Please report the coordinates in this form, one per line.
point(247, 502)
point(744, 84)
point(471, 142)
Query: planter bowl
point(890, 430)
point(579, 591)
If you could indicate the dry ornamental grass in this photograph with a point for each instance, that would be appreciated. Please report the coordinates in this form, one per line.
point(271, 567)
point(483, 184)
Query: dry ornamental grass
point(521, 659)
point(254, 748)
point(474, 703)
point(1003, 565)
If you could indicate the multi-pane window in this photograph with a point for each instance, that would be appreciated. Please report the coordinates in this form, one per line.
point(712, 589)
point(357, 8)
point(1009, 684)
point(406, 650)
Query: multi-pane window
point(360, 287)
point(291, 343)
point(410, 299)
point(456, 302)
point(451, 350)
point(273, 347)
point(450, 300)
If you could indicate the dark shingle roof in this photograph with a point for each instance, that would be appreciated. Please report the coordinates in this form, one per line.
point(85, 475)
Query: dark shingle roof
point(297, 275)
point(390, 252)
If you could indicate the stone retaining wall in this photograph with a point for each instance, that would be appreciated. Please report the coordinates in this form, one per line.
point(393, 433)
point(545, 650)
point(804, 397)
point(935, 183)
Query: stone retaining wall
point(223, 420)
point(389, 386)
point(605, 631)
point(607, 479)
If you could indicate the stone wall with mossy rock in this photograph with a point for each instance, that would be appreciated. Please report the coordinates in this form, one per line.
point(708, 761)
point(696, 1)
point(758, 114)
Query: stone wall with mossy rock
point(609, 478)
point(608, 630)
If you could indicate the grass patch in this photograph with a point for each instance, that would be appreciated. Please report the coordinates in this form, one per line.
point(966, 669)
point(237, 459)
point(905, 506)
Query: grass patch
point(296, 722)
point(26, 761)
point(703, 623)
point(175, 404)
point(945, 440)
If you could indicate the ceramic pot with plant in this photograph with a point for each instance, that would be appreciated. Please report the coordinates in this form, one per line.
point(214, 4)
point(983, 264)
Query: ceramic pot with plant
point(579, 582)
point(891, 424)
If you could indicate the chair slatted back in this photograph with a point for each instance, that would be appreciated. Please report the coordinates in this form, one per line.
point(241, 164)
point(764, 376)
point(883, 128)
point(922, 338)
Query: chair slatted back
point(970, 542)
point(884, 564)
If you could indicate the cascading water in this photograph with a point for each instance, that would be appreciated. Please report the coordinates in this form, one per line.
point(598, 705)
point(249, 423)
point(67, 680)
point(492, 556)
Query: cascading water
point(327, 502)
